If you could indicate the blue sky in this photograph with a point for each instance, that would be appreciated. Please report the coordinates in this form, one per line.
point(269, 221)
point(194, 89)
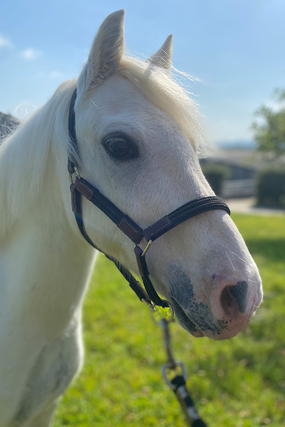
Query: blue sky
point(236, 48)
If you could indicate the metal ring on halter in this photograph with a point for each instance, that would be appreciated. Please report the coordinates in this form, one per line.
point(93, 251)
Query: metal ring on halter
point(169, 366)
point(147, 247)
point(150, 305)
point(76, 172)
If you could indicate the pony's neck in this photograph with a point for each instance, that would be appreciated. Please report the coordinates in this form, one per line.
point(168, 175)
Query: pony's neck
point(46, 271)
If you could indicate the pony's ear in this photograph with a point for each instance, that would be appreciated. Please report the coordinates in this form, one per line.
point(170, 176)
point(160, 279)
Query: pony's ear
point(106, 52)
point(162, 58)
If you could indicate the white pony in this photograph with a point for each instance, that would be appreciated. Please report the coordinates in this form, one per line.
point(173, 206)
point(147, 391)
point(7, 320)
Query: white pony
point(45, 263)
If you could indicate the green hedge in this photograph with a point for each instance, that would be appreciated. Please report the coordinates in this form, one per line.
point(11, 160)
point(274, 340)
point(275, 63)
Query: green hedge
point(271, 188)
point(215, 175)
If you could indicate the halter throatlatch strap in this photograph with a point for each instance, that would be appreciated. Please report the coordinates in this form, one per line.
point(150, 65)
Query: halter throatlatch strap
point(80, 187)
point(133, 283)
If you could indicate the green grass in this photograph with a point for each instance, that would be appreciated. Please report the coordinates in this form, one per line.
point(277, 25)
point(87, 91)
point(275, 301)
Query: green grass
point(235, 383)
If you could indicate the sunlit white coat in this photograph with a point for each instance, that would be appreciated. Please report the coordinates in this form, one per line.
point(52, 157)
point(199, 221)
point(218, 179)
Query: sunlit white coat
point(45, 264)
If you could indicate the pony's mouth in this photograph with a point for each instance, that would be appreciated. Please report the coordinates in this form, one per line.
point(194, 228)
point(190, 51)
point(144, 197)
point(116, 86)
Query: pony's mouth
point(193, 315)
point(184, 320)
point(198, 320)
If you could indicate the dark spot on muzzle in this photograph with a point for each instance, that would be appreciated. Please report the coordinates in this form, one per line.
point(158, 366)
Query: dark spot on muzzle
point(239, 292)
point(184, 320)
point(190, 313)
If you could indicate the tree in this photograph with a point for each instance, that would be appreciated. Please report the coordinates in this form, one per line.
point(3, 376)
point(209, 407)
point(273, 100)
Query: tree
point(269, 132)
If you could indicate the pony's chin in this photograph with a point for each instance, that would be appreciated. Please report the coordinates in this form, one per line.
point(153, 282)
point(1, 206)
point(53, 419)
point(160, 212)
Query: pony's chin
point(197, 333)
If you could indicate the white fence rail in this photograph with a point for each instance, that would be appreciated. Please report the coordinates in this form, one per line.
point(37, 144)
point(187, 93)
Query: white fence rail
point(238, 188)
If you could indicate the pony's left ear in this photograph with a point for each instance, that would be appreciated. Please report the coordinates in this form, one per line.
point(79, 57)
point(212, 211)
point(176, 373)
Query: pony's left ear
point(162, 58)
point(106, 52)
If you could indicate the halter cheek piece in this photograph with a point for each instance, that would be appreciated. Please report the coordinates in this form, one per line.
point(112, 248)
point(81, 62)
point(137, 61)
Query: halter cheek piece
point(80, 187)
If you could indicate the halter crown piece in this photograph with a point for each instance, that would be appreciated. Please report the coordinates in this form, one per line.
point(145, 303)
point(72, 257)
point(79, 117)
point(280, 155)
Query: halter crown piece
point(80, 187)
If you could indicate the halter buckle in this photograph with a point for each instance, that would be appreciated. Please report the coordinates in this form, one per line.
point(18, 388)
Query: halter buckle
point(76, 172)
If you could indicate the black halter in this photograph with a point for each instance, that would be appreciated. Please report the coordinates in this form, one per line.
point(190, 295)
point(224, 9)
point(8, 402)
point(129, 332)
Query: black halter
point(81, 187)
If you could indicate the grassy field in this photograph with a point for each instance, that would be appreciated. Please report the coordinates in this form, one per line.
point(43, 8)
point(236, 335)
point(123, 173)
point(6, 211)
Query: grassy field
point(236, 383)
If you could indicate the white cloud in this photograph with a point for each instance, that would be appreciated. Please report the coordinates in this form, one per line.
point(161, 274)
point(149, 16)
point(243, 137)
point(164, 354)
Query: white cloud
point(30, 54)
point(274, 105)
point(5, 42)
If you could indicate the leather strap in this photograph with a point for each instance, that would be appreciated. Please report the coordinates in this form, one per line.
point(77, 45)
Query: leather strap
point(72, 133)
point(133, 231)
point(128, 226)
point(186, 211)
point(141, 261)
point(133, 283)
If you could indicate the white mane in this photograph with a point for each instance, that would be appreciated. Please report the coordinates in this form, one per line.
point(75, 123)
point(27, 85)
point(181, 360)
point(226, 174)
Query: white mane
point(25, 155)
point(163, 91)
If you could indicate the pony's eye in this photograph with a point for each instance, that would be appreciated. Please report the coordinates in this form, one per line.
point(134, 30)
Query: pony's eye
point(120, 147)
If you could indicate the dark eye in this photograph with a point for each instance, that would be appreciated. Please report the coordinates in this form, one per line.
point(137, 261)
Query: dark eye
point(120, 147)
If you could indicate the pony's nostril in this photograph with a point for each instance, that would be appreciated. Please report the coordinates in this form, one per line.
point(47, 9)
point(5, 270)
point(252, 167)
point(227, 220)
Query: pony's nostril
point(227, 300)
point(234, 297)
point(239, 292)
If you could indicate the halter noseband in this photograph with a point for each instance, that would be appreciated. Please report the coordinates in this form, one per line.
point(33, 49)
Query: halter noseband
point(81, 187)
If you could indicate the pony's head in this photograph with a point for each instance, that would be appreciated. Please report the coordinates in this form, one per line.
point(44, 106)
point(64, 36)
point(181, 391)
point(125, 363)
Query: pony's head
point(138, 134)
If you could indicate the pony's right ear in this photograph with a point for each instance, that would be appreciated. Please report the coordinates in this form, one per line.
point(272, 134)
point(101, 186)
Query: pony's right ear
point(105, 54)
point(162, 58)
